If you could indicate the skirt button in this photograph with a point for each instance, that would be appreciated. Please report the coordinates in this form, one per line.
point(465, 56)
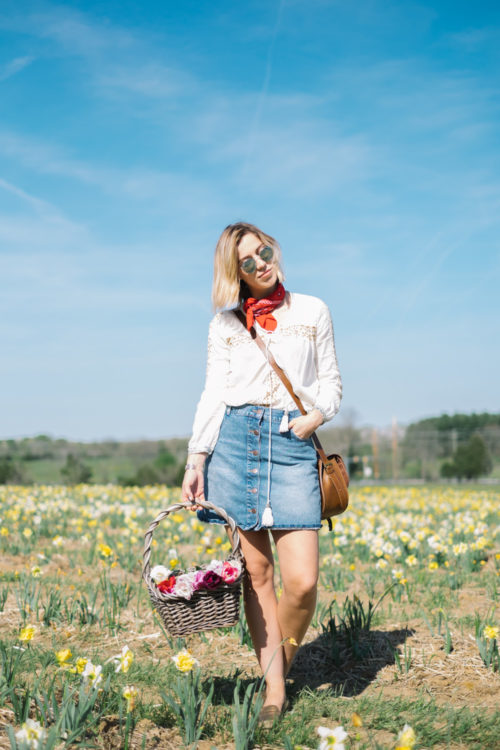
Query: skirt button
point(253, 490)
point(255, 432)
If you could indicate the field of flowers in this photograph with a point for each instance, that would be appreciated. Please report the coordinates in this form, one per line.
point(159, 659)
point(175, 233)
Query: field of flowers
point(402, 651)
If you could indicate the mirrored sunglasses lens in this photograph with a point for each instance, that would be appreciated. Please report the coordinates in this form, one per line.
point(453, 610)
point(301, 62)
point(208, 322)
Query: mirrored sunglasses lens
point(266, 253)
point(248, 265)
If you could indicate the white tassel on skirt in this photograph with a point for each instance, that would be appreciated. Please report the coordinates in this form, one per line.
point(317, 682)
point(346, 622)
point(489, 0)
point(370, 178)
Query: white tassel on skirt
point(267, 516)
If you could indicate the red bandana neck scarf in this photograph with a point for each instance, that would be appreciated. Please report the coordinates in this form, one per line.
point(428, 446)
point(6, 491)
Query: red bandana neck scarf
point(261, 310)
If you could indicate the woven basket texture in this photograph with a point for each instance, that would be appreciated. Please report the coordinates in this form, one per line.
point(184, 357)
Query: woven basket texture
point(207, 608)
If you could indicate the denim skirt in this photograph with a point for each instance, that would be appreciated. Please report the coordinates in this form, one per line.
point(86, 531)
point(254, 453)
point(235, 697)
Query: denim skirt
point(236, 473)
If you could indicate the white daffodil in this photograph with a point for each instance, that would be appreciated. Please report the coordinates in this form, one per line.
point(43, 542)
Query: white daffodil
point(31, 734)
point(331, 738)
point(122, 660)
point(92, 674)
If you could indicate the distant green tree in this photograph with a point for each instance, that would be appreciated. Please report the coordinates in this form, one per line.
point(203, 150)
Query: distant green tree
point(164, 470)
point(10, 472)
point(75, 471)
point(448, 470)
point(147, 474)
point(470, 461)
point(164, 460)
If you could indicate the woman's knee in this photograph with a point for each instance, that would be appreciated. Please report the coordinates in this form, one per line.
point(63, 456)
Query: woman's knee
point(260, 575)
point(301, 587)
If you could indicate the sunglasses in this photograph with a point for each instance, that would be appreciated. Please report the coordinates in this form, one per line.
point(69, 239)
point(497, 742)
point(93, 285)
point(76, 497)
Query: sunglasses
point(250, 266)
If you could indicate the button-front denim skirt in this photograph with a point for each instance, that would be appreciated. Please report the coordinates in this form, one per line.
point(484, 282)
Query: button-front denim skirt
point(236, 473)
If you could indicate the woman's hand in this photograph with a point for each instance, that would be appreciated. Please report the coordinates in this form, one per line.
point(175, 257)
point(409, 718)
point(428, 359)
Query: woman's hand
point(303, 427)
point(193, 485)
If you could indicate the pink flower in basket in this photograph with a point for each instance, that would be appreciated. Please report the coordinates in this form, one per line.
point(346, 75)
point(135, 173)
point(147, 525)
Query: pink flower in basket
point(216, 566)
point(230, 572)
point(206, 579)
point(184, 586)
point(167, 586)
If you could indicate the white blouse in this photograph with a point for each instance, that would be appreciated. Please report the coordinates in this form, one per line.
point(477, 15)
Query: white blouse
point(238, 372)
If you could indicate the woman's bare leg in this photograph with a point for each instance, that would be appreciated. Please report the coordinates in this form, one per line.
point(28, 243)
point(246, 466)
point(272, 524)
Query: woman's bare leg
point(262, 612)
point(299, 562)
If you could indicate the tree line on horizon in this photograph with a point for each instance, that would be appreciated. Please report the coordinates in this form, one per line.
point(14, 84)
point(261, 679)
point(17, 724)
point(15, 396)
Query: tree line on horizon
point(460, 446)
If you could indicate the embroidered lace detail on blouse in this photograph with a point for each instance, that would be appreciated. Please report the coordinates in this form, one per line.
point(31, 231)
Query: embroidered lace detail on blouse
point(270, 396)
point(308, 332)
point(238, 339)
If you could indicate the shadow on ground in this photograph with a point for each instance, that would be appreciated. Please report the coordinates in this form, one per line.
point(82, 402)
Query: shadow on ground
point(344, 667)
point(347, 669)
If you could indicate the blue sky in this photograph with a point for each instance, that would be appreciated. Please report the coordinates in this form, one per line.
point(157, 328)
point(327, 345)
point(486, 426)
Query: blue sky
point(363, 136)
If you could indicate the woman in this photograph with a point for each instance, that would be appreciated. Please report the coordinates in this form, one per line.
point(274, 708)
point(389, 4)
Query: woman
point(251, 451)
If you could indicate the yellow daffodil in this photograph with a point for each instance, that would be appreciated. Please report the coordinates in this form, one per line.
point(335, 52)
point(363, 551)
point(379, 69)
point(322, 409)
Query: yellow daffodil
point(123, 660)
point(490, 632)
point(27, 633)
point(80, 665)
point(406, 738)
point(104, 550)
point(184, 661)
point(63, 656)
point(130, 694)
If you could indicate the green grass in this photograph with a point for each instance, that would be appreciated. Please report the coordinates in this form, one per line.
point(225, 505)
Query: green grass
point(341, 670)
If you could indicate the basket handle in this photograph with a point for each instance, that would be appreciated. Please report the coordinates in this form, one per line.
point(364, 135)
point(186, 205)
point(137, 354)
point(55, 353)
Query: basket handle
point(148, 536)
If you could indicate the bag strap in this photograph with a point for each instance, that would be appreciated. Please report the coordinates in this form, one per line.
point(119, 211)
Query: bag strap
point(282, 376)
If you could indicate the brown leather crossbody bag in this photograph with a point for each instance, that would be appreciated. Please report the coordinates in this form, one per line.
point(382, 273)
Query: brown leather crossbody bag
point(333, 476)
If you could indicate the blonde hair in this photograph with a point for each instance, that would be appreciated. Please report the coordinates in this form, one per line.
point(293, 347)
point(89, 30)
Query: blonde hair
point(227, 289)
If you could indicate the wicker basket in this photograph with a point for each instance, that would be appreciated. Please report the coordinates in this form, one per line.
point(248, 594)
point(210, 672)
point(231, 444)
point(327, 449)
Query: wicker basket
point(207, 609)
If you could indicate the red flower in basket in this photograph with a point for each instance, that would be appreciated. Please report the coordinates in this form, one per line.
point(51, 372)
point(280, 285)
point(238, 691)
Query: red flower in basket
point(167, 586)
point(207, 579)
point(230, 573)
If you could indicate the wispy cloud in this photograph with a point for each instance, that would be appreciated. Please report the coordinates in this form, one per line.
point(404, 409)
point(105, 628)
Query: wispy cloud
point(14, 66)
point(48, 158)
point(473, 39)
point(73, 30)
point(163, 190)
point(38, 204)
point(152, 80)
point(110, 51)
point(254, 128)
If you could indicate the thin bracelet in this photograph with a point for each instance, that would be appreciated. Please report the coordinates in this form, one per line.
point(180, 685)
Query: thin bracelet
point(192, 466)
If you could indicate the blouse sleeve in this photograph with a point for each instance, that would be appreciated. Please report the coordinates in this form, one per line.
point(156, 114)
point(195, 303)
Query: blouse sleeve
point(210, 409)
point(330, 383)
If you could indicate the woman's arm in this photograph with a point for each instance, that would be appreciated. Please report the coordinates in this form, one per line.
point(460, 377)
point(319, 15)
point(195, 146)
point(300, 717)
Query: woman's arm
point(209, 412)
point(330, 383)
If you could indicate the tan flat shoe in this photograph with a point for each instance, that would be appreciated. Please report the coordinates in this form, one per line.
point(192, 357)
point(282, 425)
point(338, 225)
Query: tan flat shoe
point(269, 715)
